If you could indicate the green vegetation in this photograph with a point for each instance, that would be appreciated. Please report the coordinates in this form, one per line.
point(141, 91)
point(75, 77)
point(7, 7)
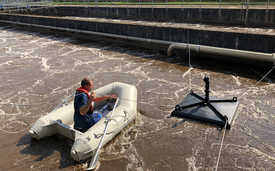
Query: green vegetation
point(162, 2)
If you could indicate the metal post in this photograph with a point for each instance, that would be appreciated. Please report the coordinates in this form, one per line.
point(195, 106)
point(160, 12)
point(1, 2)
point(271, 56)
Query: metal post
point(166, 5)
point(182, 6)
point(152, 5)
point(21, 6)
point(85, 7)
point(71, 6)
point(88, 5)
point(247, 12)
point(116, 9)
point(65, 6)
point(267, 5)
point(138, 4)
point(206, 80)
point(200, 5)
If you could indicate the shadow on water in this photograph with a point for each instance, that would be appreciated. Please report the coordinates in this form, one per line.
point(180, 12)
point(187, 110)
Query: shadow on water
point(220, 65)
point(45, 148)
point(192, 120)
point(213, 150)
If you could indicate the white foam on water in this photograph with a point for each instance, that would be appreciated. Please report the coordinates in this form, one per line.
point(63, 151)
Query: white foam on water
point(252, 109)
point(122, 147)
point(16, 163)
point(178, 91)
point(44, 64)
point(2, 40)
point(39, 82)
point(192, 164)
point(236, 78)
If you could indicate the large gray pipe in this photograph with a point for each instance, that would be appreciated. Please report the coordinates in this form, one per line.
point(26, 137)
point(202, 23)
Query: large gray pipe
point(234, 54)
point(237, 54)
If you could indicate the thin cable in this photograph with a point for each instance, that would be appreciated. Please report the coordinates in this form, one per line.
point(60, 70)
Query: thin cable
point(52, 101)
point(31, 104)
point(221, 146)
point(257, 82)
point(190, 87)
point(37, 104)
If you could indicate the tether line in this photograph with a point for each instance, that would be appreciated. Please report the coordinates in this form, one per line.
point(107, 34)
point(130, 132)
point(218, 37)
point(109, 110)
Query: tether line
point(221, 146)
point(190, 76)
point(52, 101)
point(257, 82)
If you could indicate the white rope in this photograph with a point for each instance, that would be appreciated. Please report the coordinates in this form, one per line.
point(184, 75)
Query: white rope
point(52, 101)
point(257, 82)
point(221, 146)
point(36, 104)
point(190, 87)
point(31, 104)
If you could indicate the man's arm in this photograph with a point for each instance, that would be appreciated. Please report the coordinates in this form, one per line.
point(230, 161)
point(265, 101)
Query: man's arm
point(84, 109)
point(99, 99)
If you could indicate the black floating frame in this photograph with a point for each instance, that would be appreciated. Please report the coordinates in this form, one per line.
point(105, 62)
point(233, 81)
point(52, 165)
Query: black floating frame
point(207, 109)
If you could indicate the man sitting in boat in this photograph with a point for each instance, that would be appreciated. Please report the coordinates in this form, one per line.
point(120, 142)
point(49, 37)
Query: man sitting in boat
point(84, 118)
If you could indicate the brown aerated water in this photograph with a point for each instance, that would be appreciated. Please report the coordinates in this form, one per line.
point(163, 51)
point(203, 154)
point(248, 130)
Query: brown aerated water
point(38, 67)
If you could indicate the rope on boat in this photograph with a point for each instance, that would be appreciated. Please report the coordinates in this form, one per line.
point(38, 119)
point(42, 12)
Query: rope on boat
point(109, 132)
point(224, 128)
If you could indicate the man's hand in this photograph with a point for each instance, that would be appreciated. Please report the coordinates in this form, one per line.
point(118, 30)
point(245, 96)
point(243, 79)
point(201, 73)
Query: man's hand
point(112, 96)
point(93, 94)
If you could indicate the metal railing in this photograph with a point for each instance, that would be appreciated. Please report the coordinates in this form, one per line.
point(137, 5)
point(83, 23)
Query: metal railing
point(16, 5)
point(167, 3)
point(10, 5)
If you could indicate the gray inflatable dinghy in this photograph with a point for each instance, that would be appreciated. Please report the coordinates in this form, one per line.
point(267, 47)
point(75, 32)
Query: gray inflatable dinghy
point(61, 121)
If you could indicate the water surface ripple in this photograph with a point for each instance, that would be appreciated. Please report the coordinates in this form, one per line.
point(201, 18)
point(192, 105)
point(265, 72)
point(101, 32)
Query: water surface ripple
point(38, 67)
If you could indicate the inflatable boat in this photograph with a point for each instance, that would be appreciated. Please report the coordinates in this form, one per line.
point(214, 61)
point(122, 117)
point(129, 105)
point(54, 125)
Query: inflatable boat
point(61, 120)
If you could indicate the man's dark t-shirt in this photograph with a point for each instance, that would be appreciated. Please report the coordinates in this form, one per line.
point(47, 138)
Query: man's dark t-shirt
point(82, 121)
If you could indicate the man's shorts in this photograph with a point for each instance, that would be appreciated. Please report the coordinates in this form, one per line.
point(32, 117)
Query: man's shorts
point(96, 117)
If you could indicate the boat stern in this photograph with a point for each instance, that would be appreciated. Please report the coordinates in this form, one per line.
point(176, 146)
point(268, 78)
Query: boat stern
point(82, 149)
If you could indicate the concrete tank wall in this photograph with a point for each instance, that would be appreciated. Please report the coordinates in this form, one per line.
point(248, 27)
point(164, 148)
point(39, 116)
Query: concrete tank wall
point(251, 17)
point(232, 40)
